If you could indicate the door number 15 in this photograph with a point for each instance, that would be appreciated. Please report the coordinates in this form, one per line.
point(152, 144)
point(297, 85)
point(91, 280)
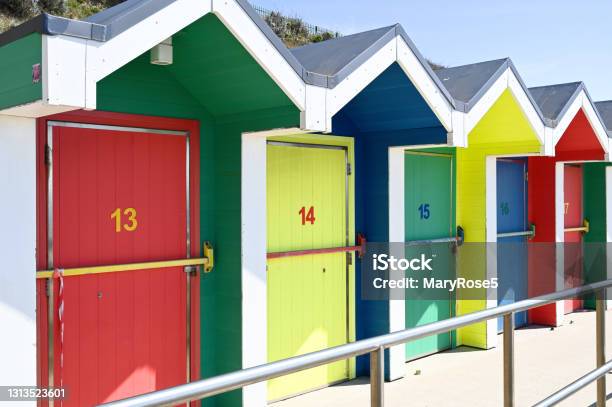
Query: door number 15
point(424, 211)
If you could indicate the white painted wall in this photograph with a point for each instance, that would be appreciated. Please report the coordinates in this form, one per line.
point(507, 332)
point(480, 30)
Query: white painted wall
point(397, 309)
point(254, 273)
point(17, 251)
point(609, 231)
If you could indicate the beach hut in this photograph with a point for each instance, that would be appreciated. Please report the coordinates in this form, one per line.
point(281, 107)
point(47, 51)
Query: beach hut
point(567, 196)
point(381, 94)
point(122, 137)
point(503, 125)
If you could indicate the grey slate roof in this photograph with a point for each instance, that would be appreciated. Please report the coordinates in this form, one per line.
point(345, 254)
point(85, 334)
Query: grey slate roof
point(468, 83)
point(554, 100)
point(604, 108)
point(329, 58)
point(324, 64)
point(335, 59)
point(111, 22)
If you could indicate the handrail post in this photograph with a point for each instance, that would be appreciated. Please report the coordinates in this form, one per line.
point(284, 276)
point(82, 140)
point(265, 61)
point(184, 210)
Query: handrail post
point(377, 377)
point(600, 350)
point(509, 360)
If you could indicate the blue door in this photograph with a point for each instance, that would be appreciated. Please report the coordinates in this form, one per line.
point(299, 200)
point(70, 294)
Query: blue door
point(511, 251)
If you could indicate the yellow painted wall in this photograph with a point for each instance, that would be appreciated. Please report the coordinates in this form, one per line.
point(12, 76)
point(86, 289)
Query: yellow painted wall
point(503, 130)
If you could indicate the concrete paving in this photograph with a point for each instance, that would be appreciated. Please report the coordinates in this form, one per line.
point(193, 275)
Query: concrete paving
point(545, 361)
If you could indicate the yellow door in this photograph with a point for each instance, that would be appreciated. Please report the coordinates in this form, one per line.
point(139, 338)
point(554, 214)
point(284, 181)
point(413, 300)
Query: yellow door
point(307, 295)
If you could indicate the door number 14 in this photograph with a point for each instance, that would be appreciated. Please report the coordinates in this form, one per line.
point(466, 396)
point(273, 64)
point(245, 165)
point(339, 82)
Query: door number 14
point(307, 216)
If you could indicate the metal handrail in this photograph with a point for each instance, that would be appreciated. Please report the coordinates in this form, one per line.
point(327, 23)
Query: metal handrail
point(575, 386)
point(375, 346)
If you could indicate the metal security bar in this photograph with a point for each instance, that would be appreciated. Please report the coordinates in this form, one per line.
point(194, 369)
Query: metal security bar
point(453, 239)
point(375, 347)
point(115, 268)
point(583, 229)
point(359, 249)
point(529, 233)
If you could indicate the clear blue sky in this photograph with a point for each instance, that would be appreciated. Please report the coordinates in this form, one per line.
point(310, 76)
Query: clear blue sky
point(549, 41)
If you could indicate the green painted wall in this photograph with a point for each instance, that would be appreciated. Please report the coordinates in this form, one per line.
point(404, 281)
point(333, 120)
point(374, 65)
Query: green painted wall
point(595, 211)
point(16, 61)
point(215, 81)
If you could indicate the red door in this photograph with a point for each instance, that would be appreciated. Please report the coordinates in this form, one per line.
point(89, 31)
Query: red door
point(119, 196)
point(573, 240)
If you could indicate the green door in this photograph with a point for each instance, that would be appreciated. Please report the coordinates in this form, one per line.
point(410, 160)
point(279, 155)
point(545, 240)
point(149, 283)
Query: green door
point(429, 214)
point(307, 295)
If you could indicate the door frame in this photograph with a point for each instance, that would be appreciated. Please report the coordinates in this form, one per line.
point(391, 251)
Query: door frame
point(254, 246)
point(491, 235)
point(526, 210)
point(114, 121)
point(397, 233)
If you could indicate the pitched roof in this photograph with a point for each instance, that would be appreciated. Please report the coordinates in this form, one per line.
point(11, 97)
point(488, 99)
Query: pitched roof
point(554, 100)
point(605, 112)
point(466, 83)
point(330, 58)
point(333, 60)
point(322, 64)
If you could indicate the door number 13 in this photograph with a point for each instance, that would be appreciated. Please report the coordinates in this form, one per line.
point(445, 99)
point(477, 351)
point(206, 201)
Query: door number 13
point(129, 214)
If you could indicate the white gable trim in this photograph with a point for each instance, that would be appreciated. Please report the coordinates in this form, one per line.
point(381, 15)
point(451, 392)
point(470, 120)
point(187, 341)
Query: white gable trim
point(396, 50)
point(582, 102)
point(261, 49)
point(72, 67)
point(508, 80)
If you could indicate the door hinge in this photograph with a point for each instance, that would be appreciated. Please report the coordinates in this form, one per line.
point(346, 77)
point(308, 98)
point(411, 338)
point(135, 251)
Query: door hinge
point(348, 169)
point(349, 258)
point(48, 287)
point(526, 176)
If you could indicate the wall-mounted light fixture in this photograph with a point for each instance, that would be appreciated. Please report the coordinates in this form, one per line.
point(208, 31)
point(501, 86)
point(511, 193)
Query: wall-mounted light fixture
point(161, 54)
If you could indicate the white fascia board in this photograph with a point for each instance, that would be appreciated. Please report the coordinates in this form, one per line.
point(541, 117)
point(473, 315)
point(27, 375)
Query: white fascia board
point(314, 117)
point(582, 102)
point(458, 137)
point(63, 73)
point(533, 117)
point(596, 124)
point(104, 58)
point(62, 76)
point(567, 118)
point(508, 80)
point(261, 49)
point(359, 79)
point(426, 86)
point(485, 103)
point(396, 50)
